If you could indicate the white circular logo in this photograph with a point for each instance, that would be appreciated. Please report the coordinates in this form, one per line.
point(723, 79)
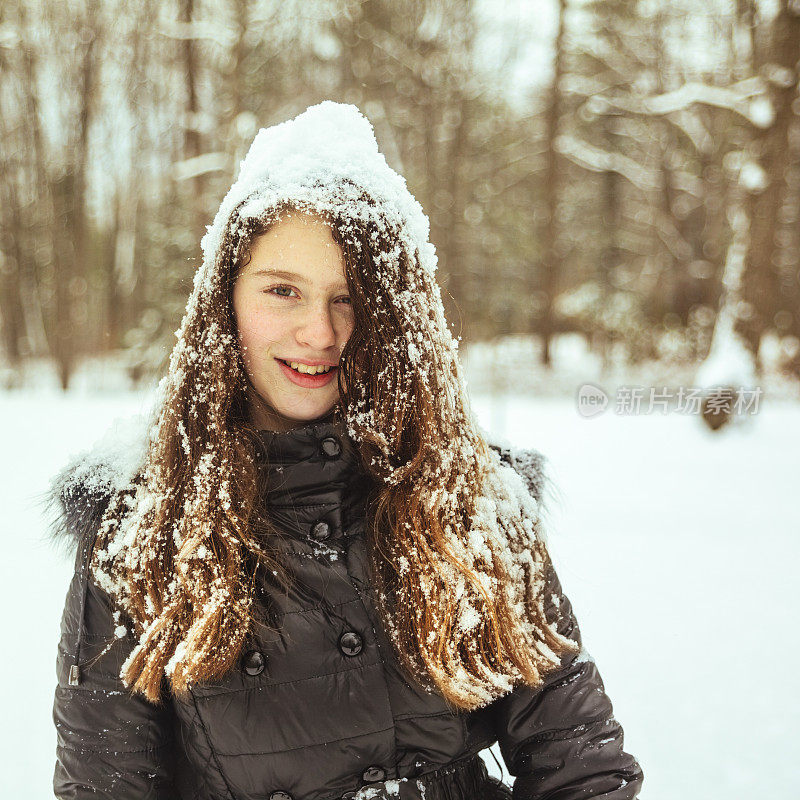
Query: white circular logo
point(592, 400)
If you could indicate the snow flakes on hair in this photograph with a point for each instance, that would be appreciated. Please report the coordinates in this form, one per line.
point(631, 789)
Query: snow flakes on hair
point(462, 528)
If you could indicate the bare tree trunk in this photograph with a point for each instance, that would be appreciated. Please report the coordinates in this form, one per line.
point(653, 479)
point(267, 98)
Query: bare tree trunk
point(771, 147)
point(70, 244)
point(453, 230)
point(12, 323)
point(30, 233)
point(192, 139)
point(550, 259)
point(610, 216)
point(454, 165)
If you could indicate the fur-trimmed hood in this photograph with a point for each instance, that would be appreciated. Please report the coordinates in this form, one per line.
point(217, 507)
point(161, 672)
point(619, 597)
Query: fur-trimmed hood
point(80, 491)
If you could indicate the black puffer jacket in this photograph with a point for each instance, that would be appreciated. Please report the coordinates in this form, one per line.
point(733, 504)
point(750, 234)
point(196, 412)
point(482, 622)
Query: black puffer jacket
point(321, 711)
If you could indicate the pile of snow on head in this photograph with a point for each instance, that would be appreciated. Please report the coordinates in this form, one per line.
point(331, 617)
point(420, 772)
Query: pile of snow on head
point(326, 158)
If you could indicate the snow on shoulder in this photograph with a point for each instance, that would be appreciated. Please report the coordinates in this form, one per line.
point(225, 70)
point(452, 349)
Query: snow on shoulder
point(92, 475)
point(530, 463)
point(79, 490)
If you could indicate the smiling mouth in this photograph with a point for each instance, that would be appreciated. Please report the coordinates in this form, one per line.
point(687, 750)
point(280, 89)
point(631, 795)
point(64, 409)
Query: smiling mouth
point(311, 371)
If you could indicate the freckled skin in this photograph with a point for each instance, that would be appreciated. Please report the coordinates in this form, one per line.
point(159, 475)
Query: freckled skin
point(305, 319)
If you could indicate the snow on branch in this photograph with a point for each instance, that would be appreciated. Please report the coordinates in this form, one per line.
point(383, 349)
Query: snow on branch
point(693, 128)
point(747, 98)
point(200, 165)
point(599, 160)
point(221, 34)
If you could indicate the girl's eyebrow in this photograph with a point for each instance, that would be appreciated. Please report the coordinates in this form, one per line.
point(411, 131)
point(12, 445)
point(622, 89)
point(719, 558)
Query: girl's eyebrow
point(291, 276)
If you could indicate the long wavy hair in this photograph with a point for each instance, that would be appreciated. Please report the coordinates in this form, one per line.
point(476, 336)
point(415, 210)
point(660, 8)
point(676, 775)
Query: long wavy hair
point(455, 552)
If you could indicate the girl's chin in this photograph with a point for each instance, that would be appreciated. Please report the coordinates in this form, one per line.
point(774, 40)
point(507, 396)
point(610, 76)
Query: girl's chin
point(289, 411)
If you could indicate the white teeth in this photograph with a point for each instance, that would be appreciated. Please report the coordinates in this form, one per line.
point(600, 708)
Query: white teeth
point(306, 369)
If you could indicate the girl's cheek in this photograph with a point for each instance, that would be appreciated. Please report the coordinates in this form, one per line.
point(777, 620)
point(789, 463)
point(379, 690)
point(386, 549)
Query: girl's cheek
point(251, 341)
point(257, 326)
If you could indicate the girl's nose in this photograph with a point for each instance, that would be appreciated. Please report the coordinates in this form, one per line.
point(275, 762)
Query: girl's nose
point(317, 329)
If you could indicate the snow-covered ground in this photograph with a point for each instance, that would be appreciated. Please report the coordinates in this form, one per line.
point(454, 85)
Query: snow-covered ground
point(678, 549)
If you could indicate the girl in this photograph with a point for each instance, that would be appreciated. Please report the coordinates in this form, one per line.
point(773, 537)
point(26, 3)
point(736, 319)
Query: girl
point(313, 578)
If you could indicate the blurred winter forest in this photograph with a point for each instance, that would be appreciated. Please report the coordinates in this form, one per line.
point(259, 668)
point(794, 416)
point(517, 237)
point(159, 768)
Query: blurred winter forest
point(620, 173)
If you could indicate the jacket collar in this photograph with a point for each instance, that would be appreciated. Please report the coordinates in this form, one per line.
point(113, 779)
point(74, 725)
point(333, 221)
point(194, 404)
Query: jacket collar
point(312, 474)
point(79, 492)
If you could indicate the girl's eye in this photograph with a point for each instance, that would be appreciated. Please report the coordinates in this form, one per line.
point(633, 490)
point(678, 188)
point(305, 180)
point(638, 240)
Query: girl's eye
point(275, 290)
point(272, 289)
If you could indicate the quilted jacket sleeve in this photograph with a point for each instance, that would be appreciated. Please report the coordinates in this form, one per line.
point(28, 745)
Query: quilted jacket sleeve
point(110, 744)
point(561, 740)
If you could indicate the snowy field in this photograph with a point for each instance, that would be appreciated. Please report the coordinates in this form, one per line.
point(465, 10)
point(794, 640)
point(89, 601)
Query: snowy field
point(678, 549)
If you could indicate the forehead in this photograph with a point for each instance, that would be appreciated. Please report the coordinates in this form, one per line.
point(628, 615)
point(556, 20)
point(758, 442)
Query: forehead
point(298, 247)
point(295, 230)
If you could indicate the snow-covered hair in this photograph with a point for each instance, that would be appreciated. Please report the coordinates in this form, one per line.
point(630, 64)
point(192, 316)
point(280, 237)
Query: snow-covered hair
point(456, 551)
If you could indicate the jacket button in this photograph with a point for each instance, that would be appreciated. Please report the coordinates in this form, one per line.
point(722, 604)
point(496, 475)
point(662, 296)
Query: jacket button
point(253, 664)
point(372, 774)
point(331, 446)
point(350, 643)
point(280, 796)
point(320, 530)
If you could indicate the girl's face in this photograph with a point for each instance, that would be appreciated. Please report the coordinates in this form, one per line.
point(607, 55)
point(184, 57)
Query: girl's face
point(292, 305)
